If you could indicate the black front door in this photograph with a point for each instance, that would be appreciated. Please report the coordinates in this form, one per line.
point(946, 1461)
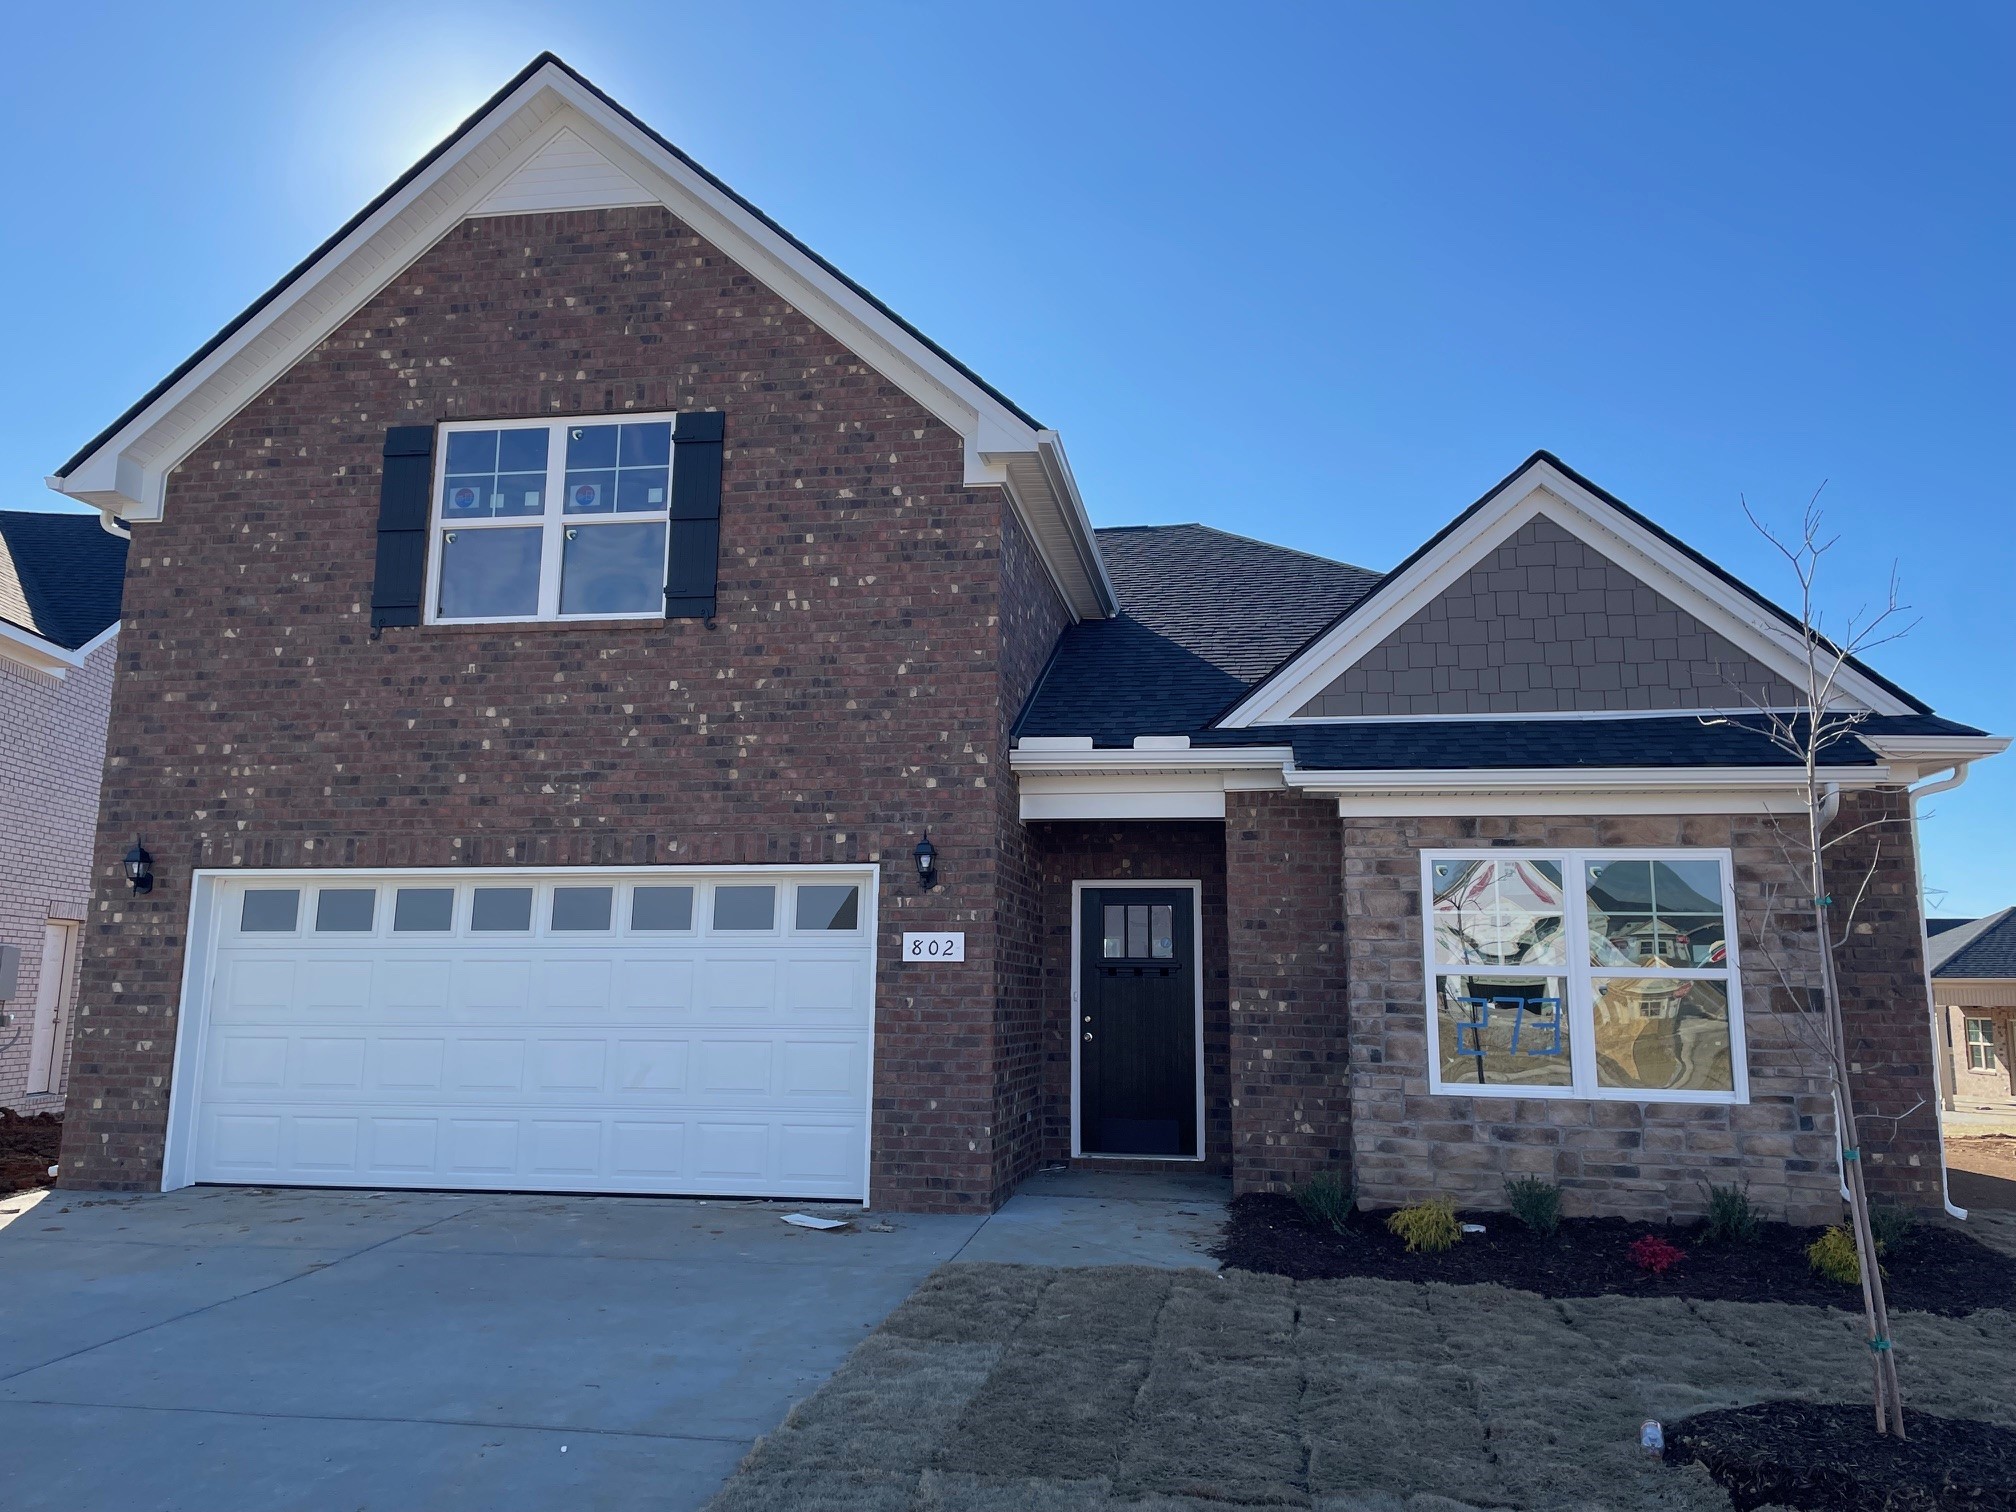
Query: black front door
point(1137, 1021)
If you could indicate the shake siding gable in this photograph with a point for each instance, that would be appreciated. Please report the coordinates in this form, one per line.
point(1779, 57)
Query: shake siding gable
point(847, 694)
point(1545, 624)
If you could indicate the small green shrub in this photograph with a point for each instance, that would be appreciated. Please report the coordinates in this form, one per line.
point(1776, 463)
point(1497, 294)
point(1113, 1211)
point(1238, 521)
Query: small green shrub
point(1732, 1217)
point(1535, 1202)
point(1891, 1227)
point(1326, 1201)
point(1833, 1255)
point(1428, 1227)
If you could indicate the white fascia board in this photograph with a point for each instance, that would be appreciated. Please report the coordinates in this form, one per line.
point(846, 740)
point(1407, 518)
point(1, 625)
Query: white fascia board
point(1537, 489)
point(127, 473)
point(1569, 801)
point(1028, 757)
point(1579, 779)
point(27, 649)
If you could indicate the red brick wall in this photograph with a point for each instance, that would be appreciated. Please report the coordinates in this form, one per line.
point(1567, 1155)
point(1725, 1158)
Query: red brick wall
point(1883, 998)
point(1162, 850)
point(1291, 1111)
point(848, 694)
point(1032, 617)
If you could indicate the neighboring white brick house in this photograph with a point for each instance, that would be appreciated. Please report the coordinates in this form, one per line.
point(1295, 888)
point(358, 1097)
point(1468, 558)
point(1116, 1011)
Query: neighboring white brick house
point(59, 602)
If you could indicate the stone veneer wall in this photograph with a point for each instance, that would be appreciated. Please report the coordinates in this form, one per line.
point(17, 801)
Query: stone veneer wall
point(1291, 1113)
point(1643, 1160)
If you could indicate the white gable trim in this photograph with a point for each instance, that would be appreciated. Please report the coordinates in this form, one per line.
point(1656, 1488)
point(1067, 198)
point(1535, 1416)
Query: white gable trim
point(24, 648)
point(1540, 488)
point(521, 148)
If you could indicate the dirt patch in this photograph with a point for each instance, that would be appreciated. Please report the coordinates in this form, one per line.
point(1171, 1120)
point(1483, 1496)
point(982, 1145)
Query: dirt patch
point(1938, 1269)
point(1810, 1455)
point(1116, 1389)
point(28, 1148)
point(1981, 1170)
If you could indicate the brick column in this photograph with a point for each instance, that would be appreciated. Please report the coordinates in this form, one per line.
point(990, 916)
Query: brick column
point(1883, 1001)
point(1291, 1104)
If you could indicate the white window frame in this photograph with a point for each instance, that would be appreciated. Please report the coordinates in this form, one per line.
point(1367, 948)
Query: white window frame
point(1581, 977)
point(554, 522)
point(1990, 1058)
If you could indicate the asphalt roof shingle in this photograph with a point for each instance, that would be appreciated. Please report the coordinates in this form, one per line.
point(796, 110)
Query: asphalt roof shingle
point(1203, 616)
point(61, 575)
point(1981, 948)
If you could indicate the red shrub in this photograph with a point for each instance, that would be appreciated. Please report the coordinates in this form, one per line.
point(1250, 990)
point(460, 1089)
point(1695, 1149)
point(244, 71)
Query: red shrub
point(1651, 1253)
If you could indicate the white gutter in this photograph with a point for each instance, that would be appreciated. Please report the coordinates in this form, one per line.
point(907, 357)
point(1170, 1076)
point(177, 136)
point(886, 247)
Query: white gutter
point(1587, 779)
point(1925, 789)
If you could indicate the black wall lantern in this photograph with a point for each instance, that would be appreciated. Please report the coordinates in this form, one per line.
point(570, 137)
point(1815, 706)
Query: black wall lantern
point(927, 862)
point(140, 868)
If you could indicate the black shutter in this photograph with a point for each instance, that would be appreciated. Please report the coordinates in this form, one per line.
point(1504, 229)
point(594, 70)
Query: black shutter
point(695, 547)
point(403, 491)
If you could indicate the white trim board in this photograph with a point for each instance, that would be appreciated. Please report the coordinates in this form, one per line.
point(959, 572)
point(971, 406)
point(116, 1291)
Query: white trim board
point(26, 649)
point(1196, 889)
point(553, 136)
point(1541, 488)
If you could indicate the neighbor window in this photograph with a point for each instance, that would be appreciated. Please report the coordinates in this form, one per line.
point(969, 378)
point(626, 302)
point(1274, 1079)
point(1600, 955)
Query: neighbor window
point(1604, 974)
point(1981, 1045)
point(553, 520)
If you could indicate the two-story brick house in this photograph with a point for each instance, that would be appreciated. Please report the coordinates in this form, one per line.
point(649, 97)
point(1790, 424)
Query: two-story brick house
point(611, 707)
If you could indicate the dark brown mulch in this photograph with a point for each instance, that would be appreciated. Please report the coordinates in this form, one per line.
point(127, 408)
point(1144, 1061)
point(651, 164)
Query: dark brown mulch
point(1937, 1270)
point(1804, 1454)
point(27, 1149)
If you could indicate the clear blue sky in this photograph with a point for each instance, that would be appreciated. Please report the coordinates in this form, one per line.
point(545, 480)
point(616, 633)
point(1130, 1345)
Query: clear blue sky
point(1316, 273)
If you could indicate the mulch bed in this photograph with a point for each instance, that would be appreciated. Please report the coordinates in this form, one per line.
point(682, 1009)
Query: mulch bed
point(27, 1149)
point(1937, 1270)
point(1804, 1454)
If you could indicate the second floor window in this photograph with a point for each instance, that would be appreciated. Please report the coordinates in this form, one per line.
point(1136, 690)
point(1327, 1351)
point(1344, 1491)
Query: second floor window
point(554, 520)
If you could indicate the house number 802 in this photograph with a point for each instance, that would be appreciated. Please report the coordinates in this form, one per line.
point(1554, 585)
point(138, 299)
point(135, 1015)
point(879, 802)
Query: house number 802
point(934, 947)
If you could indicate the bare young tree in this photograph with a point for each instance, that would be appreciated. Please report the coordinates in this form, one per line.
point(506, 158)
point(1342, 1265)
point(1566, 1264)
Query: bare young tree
point(1806, 732)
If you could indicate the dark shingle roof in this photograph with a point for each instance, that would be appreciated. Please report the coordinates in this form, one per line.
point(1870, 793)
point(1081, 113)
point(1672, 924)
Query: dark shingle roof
point(1204, 615)
point(61, 575)
point(1937, 927)
point(1981, 948)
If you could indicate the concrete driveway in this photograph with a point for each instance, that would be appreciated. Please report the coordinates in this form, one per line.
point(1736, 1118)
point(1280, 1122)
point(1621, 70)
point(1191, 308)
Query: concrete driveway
point(237, 1350)
point(230, 1349)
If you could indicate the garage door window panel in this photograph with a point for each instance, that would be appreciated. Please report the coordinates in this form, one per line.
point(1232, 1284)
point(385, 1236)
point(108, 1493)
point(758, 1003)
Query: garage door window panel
point(582, 909)
point(826, 908)
point(423, 910)
point(664, 910)
point(744, 910)
point(270, 910)
point(345, 910)
point(501, 910)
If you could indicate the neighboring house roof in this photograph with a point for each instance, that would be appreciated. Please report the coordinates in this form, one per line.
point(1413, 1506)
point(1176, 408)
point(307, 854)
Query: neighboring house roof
point(61, 575)
point(1976, 950)
point(1936, 927)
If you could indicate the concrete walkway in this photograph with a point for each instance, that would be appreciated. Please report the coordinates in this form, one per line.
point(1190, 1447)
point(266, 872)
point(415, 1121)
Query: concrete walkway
point(241, 1350)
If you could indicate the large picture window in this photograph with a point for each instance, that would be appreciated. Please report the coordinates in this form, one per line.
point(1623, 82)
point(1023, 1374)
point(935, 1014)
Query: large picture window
point(1604, 974)
point(552, 520)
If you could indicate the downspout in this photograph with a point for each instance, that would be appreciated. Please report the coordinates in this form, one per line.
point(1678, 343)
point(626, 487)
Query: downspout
point(1925, 789)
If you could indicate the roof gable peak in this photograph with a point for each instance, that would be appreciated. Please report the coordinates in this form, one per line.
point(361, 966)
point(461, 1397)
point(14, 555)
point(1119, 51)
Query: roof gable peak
point(1543, 487)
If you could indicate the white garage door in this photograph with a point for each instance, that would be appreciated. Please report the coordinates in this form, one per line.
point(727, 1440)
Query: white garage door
point(642, 1031)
